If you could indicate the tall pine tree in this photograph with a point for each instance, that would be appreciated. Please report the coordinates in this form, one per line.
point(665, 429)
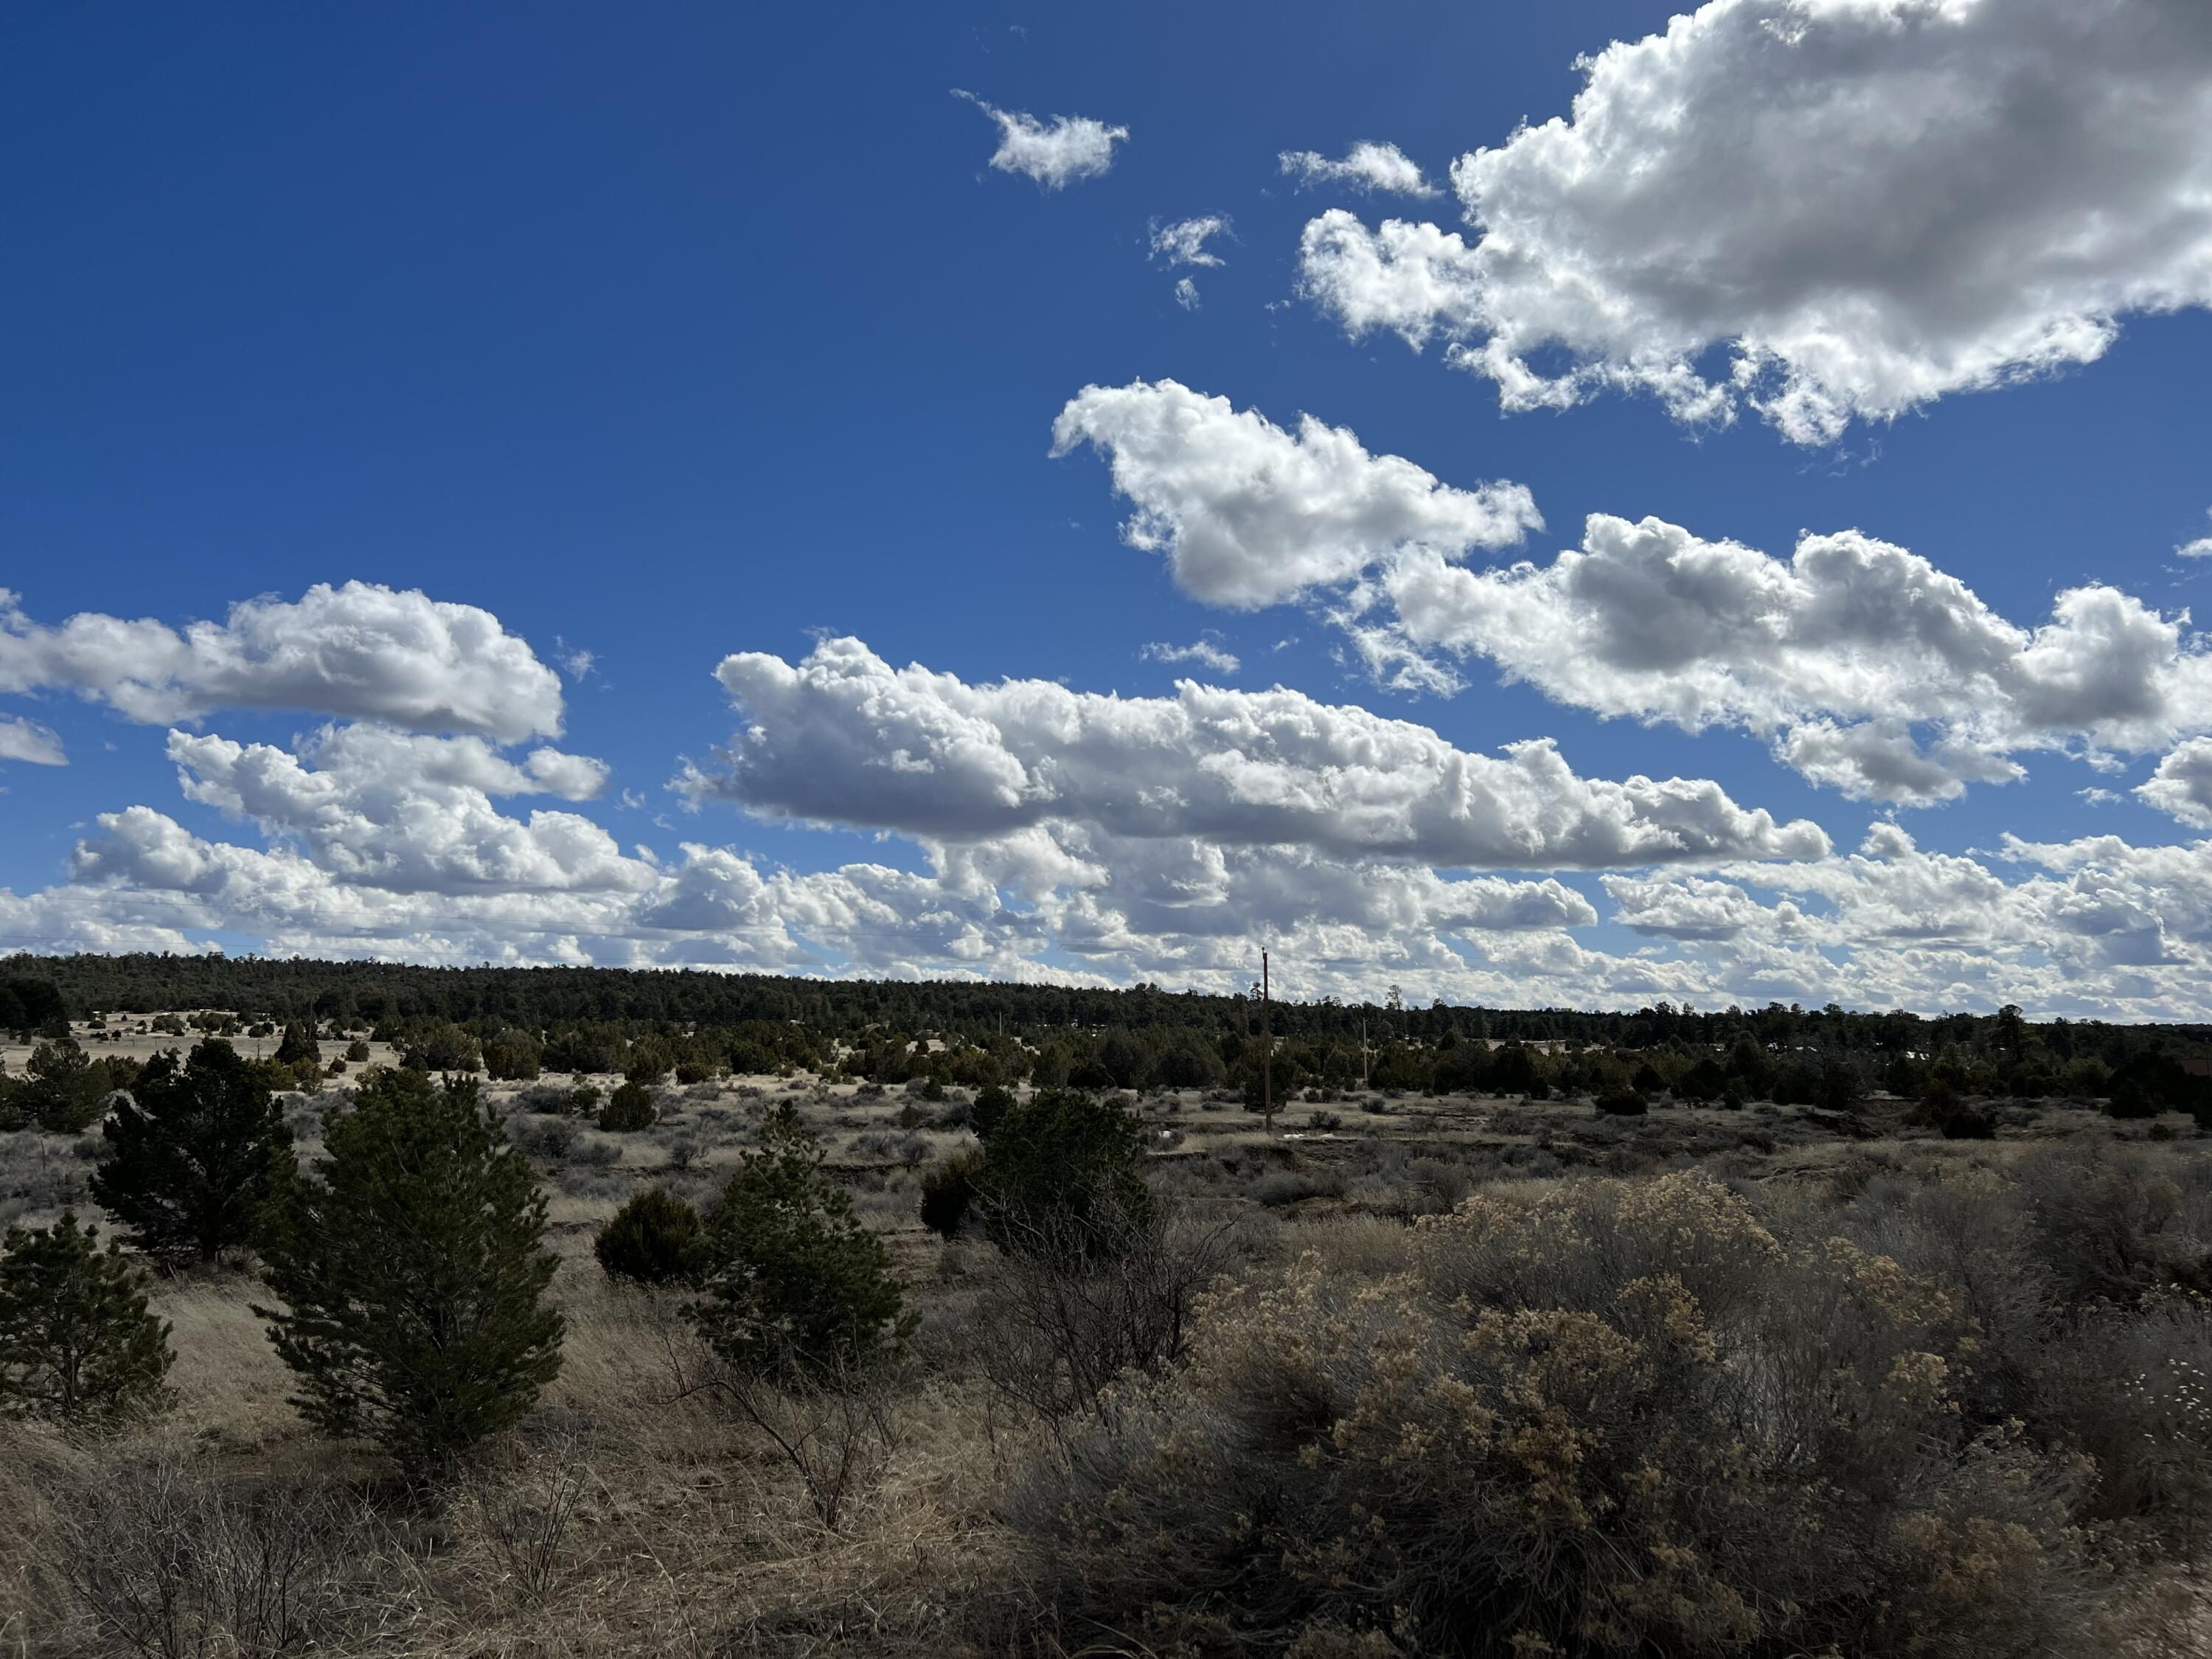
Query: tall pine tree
point(412, 1273)
point(194, 1153)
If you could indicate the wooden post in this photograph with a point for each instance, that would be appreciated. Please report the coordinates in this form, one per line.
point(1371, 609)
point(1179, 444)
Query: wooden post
point(1266, 1056)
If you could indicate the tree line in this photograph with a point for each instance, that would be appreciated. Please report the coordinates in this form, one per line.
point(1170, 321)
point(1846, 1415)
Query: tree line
point(282, 990)
point(517, 1024)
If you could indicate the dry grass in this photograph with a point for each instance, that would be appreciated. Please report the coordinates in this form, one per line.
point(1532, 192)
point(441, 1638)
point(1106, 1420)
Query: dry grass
point(623, 1520)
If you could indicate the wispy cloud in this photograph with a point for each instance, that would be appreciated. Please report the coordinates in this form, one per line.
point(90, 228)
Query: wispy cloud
point(1366, 167)
point(1183, 242)
point(1204, 652)
point(1056, 152)
point(30, 743)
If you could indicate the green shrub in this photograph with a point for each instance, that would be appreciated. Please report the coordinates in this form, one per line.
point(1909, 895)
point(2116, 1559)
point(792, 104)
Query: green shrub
point(550, 1138)
point(511, 1057)
point(629, 1107)
point(65, 1089)
point(649, 1061)
point(77, 1344)
point(1062, 1178)
point(444, 1048)
point(411, 1274)
point(654, 1239)
point(993, 1101)
point(299, 1048)
point(947, 1193)
point(2131, 1100)
point(1622, 1102)
point(194, 1152)
point(795, 1287)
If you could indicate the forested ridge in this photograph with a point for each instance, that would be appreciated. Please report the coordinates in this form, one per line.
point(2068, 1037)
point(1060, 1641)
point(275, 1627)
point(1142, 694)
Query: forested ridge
point(519, 1020)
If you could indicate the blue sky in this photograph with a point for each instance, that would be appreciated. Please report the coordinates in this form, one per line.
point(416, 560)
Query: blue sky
point(667, 336)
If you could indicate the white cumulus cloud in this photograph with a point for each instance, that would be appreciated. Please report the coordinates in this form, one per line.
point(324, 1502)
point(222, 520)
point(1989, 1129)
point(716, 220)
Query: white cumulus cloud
point(1867, 668)
point(1411, 279)
point(1055, 153)
point(359, 651)
point(1869, 204)
point(1871, 670)
point(1250, 514)
point(392, 846)
point(2182, 784)
point(396, 810)
point(844, 738)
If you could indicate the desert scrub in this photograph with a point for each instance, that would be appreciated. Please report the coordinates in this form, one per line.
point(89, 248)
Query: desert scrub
point(1604, 1418)
point(654, 1239)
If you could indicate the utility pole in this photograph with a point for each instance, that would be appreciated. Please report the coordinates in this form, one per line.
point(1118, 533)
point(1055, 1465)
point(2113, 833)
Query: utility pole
point(1266, 1056)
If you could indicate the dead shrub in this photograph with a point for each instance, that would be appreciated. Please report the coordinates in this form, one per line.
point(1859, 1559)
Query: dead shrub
point(835, 1425)
point(1058, 1329)
point(525, 1509)
point(161, 1558)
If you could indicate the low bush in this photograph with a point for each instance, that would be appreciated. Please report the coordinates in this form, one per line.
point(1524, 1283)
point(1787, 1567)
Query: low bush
point(947, 1193)
point(630, 1108)
point(543, 1137)
point(1603, 1418)
point(1062, 1178)
point(1060, 1335)
point(654, 1239)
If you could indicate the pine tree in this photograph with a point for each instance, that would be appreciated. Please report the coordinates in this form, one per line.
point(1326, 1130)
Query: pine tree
point(412, 1273)
point(797, 1288)
point(194, 1152)
point(64, 1092)
point(300, 1049)
point(77, 1343)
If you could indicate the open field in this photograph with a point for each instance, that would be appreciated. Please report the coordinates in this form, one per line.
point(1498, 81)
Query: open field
point(624, 1519)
